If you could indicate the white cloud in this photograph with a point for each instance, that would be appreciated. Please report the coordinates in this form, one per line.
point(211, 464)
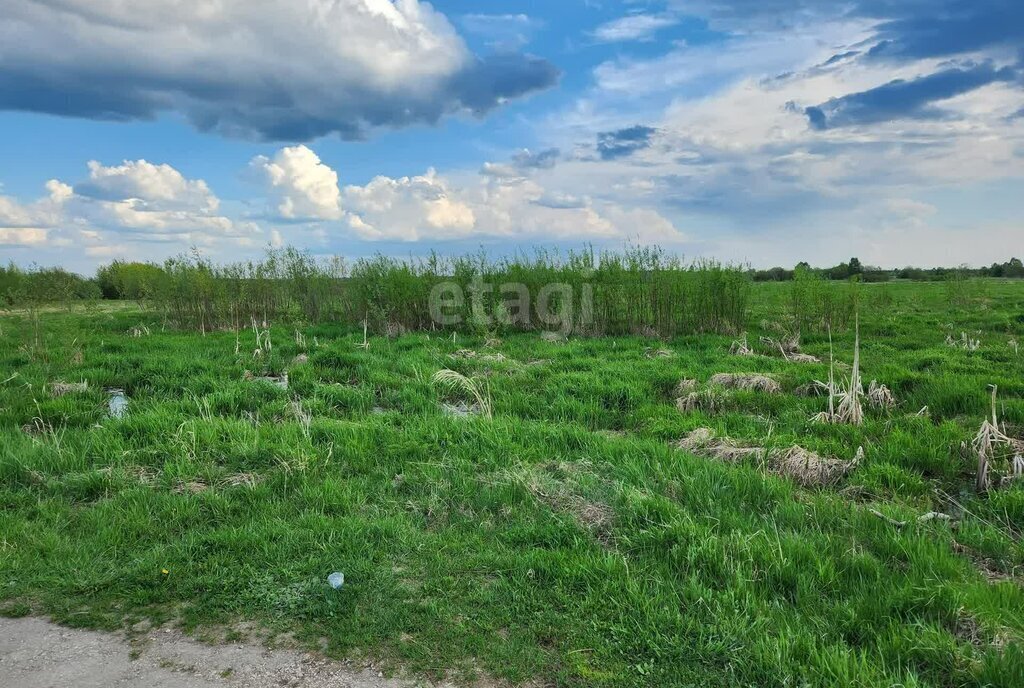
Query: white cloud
point(408, 208)
point(634, 27)
point(119, 206)
point(155, 185)
point(153, 200)
point(432, 207)
point(303, 187)
point(22, 236)
point(274, 69)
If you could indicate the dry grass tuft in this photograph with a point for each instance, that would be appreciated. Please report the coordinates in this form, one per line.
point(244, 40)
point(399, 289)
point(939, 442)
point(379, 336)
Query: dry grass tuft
point(741, 347)
point(697, 439)
point(804, 467)
point(59, 389)
point(880, 396)
point(844, 405)
point(248, 480)
point(707, 400)
point(789, 347)
point(993, 446)
point(964, 342)
point(746, 381)
point(304, 417)
point(456, 382)
point(703, 442)
point(651, 352)
point(685, 386)
point(811, 389)
point(809, 468)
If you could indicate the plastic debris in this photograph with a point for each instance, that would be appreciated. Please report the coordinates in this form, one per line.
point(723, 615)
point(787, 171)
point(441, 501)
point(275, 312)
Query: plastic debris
point(336, 580)
point(117, 405)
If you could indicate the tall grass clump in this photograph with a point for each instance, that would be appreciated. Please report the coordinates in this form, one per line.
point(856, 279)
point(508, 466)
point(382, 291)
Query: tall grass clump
point(194, 293)
point(639, 291)
point(818, 305)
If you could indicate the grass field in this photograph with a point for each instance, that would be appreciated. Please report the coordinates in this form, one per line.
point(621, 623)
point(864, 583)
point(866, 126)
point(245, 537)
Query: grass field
point(563, 540)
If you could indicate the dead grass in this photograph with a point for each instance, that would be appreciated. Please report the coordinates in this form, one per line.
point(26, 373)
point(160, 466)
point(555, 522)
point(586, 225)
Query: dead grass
point(651, 352)
point(708, 400)
point(741, 347)
point(457, 383)
point(880, 397)
point(552, 485)
point(248, 480)
point(996, 450)
point(789, 347)
point(809, 468)
point(704, 442)
point(805, 467)
point(844, 405)
point(965, 342)
point(59, 388)
point(746, 381)
point(685, 386)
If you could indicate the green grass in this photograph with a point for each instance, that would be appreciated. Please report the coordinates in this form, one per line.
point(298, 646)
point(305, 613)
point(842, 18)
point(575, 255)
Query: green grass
point(564, 540)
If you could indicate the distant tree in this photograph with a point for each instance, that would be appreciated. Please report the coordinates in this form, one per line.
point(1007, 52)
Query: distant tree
point(855, 267)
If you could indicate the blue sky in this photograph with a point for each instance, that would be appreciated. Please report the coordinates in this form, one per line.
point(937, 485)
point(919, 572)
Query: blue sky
point(765, 132)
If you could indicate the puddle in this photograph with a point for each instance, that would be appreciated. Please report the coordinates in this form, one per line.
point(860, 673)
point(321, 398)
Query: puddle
point(117, 405)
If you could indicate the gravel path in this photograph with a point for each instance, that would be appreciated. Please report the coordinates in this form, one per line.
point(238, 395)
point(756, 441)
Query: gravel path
point(35, 653)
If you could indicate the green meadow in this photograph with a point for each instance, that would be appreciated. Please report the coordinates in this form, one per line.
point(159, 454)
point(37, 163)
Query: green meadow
point(563, 538)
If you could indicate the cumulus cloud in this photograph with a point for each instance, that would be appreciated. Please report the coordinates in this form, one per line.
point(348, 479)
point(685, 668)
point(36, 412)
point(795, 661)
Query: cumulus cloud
point(24, 225)
point(432, 207)
point(149, 199)
point(274, 70)
point(303, 187)
point(156, 185)
point(136, 200)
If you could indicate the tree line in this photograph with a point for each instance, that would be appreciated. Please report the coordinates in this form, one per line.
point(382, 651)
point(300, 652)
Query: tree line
point(853, 269)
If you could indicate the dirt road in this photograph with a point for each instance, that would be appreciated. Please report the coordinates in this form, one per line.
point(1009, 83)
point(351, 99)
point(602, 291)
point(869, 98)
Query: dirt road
point(35, 653)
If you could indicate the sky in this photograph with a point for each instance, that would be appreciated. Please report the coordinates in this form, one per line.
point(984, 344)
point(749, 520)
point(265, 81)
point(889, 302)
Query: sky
point(762, 132)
